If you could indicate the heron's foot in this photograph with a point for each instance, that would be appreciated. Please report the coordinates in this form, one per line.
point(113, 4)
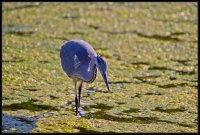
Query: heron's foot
point(80, 112)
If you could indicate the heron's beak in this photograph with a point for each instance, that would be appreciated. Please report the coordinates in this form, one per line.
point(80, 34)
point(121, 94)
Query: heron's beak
point(104, 75)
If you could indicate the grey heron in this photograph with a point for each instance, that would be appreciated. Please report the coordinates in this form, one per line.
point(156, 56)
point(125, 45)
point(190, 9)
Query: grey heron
point(80, 62)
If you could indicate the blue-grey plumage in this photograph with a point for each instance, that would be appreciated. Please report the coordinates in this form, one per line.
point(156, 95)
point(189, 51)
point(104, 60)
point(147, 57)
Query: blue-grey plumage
point(76, 59)
point(80, 62)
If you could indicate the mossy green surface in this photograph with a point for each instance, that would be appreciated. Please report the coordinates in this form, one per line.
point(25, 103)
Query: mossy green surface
point(151, 51)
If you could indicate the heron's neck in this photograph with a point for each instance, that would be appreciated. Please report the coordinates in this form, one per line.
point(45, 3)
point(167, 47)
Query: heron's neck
point(92, 69)
point(92, 63)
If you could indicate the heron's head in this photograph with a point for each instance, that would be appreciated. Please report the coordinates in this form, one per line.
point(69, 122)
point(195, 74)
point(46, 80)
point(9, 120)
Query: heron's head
point(102, 66)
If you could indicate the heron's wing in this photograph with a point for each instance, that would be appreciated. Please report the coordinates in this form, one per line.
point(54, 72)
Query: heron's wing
point(75, 59)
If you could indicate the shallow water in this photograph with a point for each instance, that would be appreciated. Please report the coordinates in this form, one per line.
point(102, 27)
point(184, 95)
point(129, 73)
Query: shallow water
point(151, 51)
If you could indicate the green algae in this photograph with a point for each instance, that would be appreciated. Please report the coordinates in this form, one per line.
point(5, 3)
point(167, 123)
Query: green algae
point(151, 51)
point(27, 105)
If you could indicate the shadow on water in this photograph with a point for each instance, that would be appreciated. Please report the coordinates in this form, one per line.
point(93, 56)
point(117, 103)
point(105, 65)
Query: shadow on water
point(185, 72)
point(182, 61)
point(182, 72)
point(76, 32)
point(160, 109)
point(135, 110)
point(94, 26)
point(118, 82)
point(157, 67)
point(140, 63)
point(169, 37)
point(13, 60)
point(138, 95)
point(125, 116)
point(32, 88)
point(44, 61)
point(171, 85)
point(53, 97)
point(29, 105)
point(17, 124)
point(84, 130)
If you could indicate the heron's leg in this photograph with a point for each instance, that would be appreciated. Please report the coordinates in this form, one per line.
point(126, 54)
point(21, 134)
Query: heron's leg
point(79, 94)
point(80, 110)
point(76, 98)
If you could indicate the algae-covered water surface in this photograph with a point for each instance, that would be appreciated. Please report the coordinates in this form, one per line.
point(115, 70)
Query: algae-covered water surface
point(151, 51)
